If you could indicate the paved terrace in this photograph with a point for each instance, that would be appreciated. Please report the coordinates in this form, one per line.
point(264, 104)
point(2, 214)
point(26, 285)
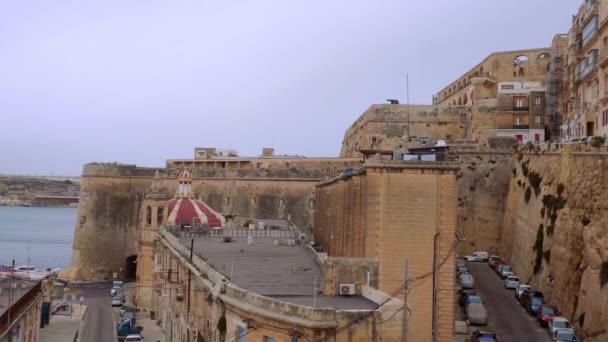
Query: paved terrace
point(284, 272)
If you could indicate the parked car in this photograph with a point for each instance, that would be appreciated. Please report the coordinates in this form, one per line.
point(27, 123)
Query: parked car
point(545, 313)
point(134, 338)
point(556, 323)
point(493, 259)
point(115, 291)
point(483, 336)
point(511, 282)
point(494, 264)
point(519, 289)
point(500, 267)
point(533, 305)
point(462, 270)
point(477, 256)
point(527, 295)
point(476, 311)
point(466, 281)
point(504, 269)
point(564, 335)
point(463, 297)
point(117, 300)
point(506, 274)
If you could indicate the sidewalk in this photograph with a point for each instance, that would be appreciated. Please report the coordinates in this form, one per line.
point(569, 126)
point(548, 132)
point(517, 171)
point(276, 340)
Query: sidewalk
point(64, 328)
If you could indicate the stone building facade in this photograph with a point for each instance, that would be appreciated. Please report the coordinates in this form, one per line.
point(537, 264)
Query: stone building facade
point(585, 93)
point(390, 210)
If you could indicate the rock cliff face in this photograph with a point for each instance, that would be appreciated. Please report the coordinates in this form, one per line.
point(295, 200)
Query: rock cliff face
point(15, 190)
point(555, 222)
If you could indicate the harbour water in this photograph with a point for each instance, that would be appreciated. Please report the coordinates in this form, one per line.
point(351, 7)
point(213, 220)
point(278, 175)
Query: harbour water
point(44, 235)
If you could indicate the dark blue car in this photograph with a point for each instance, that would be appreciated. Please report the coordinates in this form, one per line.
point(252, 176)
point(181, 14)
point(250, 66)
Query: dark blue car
point(534, 304)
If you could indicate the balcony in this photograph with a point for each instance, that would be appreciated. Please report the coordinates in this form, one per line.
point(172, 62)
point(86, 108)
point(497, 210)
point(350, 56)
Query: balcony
point(521, 126)
point(521, 109)
point(591, 11)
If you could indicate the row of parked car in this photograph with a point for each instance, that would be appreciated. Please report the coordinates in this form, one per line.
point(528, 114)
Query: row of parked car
point(472, 305)
point(533, 301)
point(126, 330)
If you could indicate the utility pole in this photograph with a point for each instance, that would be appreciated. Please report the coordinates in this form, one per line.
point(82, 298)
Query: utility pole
point(404, 313)
point(10, 293)
point(189, 278)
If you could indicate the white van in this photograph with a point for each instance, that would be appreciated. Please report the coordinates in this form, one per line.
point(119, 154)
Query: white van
point(117, 283)
point(477, 256)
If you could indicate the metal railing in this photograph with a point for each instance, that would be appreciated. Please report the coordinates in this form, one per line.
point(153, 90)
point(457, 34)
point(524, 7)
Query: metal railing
point(18, 307)
point(231, 232)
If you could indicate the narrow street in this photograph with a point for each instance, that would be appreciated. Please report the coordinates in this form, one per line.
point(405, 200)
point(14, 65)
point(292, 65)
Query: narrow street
point(506, 316)
point(99, 324)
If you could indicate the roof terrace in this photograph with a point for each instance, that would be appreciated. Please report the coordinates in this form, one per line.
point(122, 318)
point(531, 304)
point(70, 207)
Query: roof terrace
point(272, 263)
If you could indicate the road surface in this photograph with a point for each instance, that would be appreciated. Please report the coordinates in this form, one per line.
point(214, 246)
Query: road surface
point(506, 316)
point(99, 325)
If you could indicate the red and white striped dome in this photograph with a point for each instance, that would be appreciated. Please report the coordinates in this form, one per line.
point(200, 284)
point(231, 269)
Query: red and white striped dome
point(187, 211)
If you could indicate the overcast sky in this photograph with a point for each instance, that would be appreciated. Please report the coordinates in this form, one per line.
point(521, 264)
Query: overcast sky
point(143, 81)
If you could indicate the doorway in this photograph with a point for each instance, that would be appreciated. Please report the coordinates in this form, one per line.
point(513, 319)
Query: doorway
point(131, 268)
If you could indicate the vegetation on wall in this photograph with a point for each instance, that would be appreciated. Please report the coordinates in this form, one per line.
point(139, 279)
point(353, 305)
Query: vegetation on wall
point(527, 194)
point(538, 248)
point(524, 168)
point(547, 256)
point(585, 221)
point(535, 181)
point(553, 204)
point(604, 273)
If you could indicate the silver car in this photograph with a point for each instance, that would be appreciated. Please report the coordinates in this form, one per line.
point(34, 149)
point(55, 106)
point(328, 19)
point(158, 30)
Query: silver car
point(564, 335)
point(511, 282)
point(117, 300)
point(519, 289)
point(476, 311)
point(466, 281)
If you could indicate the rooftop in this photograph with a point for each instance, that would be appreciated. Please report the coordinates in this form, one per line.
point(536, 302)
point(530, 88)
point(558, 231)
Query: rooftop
point(284, 272)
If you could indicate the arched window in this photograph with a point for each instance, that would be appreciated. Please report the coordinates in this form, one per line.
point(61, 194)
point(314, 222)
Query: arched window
point(481, 71)
point(148, 215)
point(311, 204)
point(521, 73)
point(519, 60)
point(465, 99)
point(460, 101)
point(160, 215)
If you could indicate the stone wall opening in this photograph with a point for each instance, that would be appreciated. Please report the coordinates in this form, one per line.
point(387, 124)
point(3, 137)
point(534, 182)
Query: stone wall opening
point(130, 268)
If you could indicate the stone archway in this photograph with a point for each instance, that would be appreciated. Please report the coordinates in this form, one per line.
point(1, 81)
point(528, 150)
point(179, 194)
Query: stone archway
point(130, 268)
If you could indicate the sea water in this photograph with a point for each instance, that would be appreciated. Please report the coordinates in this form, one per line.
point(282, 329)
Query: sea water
point(41, 235)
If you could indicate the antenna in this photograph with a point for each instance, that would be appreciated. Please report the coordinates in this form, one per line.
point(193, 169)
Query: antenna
point(407, 91)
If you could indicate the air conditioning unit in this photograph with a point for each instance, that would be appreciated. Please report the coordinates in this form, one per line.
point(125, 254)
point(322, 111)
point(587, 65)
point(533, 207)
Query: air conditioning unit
point(347, 290)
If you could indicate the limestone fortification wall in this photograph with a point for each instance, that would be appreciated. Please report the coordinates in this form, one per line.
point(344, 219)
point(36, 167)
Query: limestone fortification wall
point(483, 183)
point(555, 222)
point(111, 196)
point(385, 126)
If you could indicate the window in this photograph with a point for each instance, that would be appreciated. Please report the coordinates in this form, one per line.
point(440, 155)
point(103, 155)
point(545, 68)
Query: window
point(240, 333)
point(159, 215)
point(519, 103)
point(537, 119)
point(518, 121)
point(590, 30)
point(268, 339)
point(537, 100)
point(148, 215)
